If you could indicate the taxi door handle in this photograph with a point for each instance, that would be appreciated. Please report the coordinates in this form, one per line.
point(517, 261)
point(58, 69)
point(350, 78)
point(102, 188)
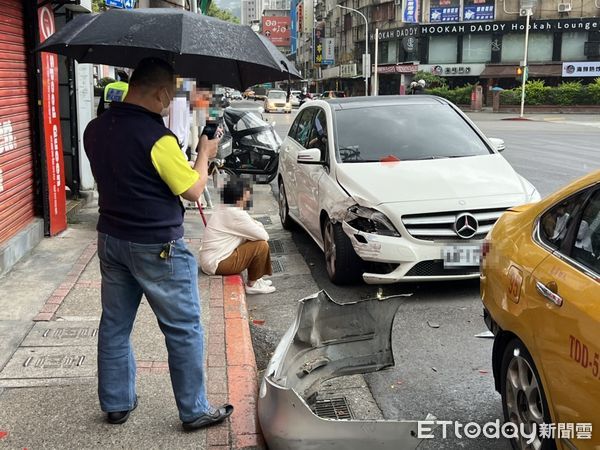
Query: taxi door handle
point(549, 292)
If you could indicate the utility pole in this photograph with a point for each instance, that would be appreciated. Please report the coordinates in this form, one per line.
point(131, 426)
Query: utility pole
point(525, 68)
point(366, 56)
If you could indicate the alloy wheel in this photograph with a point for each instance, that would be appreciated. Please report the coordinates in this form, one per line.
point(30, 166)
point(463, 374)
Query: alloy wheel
point(524, 399)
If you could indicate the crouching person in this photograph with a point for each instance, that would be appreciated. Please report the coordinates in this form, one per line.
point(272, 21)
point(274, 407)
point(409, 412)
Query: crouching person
point(233, 241)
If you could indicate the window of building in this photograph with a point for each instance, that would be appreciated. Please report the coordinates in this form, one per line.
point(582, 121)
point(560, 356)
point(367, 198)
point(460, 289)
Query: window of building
point(477, 48)
point(540, 47)
point(572, 46)
point(442, 49)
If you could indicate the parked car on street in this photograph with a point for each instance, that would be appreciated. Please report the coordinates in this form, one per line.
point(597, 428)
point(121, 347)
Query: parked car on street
point(407, 184)
point(236, 95)
point(540, 285)
point(333, 94)
point(276, 101)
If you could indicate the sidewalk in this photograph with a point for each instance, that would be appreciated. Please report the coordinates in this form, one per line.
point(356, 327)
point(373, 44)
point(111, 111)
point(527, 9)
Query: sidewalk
point(49, 315)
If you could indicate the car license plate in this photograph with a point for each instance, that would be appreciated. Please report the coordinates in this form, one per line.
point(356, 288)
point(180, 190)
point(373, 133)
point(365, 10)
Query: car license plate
point(461, 255)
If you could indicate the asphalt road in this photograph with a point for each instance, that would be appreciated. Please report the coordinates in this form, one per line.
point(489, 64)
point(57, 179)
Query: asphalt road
point(441, 367)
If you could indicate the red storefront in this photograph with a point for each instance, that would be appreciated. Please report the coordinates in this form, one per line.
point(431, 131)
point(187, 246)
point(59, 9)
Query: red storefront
point(17, 181)
point(32, 191)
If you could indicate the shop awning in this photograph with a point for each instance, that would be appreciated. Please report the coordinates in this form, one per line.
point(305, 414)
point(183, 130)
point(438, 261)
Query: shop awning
point(510, 71)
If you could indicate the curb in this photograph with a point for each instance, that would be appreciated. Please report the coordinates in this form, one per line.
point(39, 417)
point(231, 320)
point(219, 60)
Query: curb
point(229, 330)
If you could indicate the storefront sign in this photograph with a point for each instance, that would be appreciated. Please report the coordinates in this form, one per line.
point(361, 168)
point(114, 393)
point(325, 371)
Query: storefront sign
point(332, 72)
point(409, 44)
point(55, 187)
point(581, 69)
point(453, 70)
point(516, 26)
point(410, 11)
point(348, 71)
point(398, 68)
point(277, 30)
point(328, 51)
point(318, 36)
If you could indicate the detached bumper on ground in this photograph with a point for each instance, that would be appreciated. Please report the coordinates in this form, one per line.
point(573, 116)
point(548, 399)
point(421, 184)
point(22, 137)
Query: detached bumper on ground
point(329, 340)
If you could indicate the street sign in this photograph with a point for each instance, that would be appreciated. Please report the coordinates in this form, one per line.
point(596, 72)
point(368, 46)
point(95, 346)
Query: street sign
point(122, 4)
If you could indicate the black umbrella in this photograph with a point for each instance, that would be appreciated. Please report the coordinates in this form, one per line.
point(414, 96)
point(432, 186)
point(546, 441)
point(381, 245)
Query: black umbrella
point(198, 46)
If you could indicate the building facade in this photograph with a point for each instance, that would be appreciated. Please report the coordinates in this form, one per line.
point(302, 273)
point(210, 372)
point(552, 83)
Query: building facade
point(466, 41)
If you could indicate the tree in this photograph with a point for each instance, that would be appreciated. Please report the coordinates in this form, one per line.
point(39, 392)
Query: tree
point(98, 5)
point(223, 14)
point(432, 81)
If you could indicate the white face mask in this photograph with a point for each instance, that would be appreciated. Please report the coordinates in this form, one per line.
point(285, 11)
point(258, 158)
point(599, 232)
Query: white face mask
point(165, 109)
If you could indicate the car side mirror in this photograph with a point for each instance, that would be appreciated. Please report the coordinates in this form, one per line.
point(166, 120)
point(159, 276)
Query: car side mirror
point(498, 144)
point(310, 156)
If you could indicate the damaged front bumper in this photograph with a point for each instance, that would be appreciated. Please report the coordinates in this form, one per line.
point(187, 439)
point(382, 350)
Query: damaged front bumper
point(402, 253)
point(329, 340)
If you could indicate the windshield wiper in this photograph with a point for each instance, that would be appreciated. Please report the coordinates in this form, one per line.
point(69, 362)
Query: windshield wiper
point(429, 157)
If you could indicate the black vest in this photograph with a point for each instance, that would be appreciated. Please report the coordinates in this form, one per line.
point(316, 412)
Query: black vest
point(135, 204)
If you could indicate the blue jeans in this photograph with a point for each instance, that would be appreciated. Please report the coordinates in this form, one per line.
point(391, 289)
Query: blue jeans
point(171, 287)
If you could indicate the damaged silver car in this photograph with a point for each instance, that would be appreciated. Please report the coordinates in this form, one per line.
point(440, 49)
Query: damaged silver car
point(329, 340)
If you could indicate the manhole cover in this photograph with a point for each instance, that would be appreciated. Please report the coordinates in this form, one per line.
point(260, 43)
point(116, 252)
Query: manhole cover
point(277, 266)
point(333, 408)
point(276, 246)
point(265, 220)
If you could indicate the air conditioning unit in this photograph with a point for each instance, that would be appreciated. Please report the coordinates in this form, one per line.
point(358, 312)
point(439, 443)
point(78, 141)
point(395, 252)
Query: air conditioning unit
point(397, 2)
point(564, 7)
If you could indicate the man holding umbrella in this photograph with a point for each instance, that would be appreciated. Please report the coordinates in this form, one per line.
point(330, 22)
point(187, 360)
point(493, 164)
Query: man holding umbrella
point(141, 172)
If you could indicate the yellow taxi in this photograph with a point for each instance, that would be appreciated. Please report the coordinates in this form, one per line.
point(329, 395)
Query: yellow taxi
point(540, 286)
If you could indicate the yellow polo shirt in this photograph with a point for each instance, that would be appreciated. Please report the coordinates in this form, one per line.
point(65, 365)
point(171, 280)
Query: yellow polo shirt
point(171, 165)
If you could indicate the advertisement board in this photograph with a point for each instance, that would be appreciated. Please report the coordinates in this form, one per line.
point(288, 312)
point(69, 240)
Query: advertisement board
point(478, 10)
point(277, 30)
point(410, 11)
point(293, 26)
point(54, 188)
point(318, 37)
point(328, 51)
point(444, 11)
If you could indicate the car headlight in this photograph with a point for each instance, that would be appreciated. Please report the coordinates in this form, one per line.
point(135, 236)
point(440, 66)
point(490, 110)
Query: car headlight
point(370, 221)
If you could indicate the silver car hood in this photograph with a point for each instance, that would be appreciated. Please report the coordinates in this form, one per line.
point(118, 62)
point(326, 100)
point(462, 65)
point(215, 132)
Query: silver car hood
point(328, 340)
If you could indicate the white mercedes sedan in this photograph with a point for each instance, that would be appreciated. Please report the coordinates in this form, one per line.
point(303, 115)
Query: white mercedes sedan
point(395, 188)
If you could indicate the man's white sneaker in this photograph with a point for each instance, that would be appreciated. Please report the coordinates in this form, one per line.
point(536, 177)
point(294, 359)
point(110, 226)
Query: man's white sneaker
point(259, 287)
point(267, 281)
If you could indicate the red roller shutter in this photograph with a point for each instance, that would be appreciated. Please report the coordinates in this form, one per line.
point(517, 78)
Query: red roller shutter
point(16, 164)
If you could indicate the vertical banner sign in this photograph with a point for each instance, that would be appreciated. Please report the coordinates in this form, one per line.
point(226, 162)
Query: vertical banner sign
point(410, 11)
point(293, 26)
point(55, 187)
point(309, 16)
point(328, 51)
point(300, 13)
point(318, 38)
